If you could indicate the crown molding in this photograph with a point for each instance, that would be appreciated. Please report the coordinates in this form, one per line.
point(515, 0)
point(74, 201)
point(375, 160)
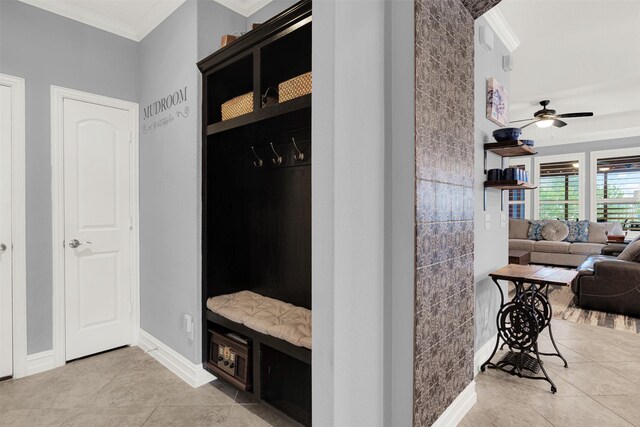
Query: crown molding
point(245, 8)
point(86, 17)
point(502, 29)
point(154, 18)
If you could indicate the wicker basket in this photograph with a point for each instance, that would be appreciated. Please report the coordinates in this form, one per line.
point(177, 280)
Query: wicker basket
point(295, 87)
point(237, 106)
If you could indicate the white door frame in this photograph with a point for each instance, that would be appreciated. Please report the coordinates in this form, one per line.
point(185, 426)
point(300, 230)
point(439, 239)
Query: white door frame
point(18, 234)
point(58, 95)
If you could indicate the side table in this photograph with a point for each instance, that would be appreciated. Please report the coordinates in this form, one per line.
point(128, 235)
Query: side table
point(519, 257)
point(521, 320)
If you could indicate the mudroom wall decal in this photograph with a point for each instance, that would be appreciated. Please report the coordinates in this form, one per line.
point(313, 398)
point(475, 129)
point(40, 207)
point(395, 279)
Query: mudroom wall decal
point(165, 110)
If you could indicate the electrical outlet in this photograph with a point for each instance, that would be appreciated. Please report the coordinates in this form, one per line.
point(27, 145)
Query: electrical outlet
point(503, 220)
point(487, 221)
point(187, 322)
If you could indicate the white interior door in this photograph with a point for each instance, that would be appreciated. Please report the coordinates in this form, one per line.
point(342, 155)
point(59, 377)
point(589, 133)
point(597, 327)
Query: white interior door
point(6, 285)
point(97, 227)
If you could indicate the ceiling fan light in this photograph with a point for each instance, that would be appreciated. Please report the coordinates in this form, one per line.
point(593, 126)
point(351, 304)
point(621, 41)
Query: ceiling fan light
point(544, 123)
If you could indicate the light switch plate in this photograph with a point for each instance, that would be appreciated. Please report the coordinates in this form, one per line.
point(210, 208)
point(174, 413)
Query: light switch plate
point(503, 220)
point(487, 221)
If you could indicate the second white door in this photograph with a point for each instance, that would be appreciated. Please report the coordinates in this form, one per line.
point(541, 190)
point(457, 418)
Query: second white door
point(97, 227)
point(6, 276)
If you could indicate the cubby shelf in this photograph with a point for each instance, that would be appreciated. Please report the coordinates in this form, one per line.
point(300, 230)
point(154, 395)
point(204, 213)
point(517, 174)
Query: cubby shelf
point(273, 111)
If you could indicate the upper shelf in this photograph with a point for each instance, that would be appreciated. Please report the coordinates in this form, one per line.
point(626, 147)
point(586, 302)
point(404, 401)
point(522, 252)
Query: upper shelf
point(510, 149)
point(276, 110)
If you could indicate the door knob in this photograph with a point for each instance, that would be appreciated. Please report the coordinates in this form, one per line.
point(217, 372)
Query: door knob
point(75, 243)
point(3, 248)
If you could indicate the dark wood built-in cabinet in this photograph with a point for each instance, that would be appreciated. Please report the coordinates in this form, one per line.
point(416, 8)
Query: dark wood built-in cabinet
point(256, 215)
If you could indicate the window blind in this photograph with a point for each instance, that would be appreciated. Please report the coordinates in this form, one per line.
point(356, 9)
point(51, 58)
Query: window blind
point(617, 180)
point(559, 190)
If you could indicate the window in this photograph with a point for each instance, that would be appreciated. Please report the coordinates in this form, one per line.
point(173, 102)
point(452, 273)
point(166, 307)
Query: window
point(518, 199)
point(617, 185)
point(560, 189)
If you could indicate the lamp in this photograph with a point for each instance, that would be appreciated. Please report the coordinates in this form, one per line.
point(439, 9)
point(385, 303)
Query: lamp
point(544, 123)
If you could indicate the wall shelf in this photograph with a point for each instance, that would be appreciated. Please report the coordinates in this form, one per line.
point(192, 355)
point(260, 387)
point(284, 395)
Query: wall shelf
point(509, 149)
point(506, 149)
point(509, 185)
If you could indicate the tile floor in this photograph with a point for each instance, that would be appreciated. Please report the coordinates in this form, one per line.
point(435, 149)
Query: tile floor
point(600, 388)
point(125, 387)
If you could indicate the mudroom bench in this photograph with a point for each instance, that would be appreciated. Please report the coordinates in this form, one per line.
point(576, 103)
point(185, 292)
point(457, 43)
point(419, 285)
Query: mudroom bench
point(263, 346)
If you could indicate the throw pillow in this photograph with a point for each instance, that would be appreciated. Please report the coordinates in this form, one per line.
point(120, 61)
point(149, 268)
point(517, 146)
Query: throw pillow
point(597, 233)
point(518, 228)
point(535, 230)
point(555, 231)
point(578, 231)
point(631, 252)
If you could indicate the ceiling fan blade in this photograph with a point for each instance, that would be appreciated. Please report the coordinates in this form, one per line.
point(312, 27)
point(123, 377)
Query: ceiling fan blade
point(523, 120)
point(530, 123)
point(559, 123)
point(572, 115)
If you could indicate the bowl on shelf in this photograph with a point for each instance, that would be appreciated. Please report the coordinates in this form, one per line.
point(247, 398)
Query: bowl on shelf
point(528, 142)
point(507, 134)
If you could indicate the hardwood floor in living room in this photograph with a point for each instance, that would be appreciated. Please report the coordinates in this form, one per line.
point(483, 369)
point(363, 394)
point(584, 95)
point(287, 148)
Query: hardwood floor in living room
point(601, 386)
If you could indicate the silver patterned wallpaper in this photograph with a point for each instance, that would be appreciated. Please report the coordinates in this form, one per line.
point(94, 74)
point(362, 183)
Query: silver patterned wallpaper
point(444, 289)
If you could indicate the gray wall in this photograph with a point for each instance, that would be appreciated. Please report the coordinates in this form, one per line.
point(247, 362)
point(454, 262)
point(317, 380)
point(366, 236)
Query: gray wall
point(214, 21)
point(348, 187)
point(269, 11)
point(47, 49)
point(399, 213)
point(491, 246)
point(586, 148)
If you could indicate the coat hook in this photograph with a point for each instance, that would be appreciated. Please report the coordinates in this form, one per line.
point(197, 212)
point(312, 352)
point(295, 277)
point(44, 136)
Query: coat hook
point(278, 159)
point(300, 155)
point(258, 162)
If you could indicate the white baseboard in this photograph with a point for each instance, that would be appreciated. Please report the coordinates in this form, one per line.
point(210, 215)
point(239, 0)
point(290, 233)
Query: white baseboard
point(458, 408)
point(483, 354)
point(189, 372)
point(39, 362)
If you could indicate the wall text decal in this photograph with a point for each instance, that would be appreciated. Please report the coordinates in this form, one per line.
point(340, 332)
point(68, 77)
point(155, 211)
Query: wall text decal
point(165, 104)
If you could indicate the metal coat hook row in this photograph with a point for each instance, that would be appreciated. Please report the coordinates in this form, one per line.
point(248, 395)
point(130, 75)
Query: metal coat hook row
point(258, 162)
point(300, 155)
point(278, 159)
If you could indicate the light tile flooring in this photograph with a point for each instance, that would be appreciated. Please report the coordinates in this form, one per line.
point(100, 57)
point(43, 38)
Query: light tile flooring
point(125, 387)
point(601, 386)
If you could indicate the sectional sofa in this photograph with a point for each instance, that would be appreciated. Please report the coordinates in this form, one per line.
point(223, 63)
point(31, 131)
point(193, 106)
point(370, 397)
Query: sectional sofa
point(559, 251)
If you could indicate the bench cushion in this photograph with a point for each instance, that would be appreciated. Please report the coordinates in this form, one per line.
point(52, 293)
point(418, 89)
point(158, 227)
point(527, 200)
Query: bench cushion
point(265, 315)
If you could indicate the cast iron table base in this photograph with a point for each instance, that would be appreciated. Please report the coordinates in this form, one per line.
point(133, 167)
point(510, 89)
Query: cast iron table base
point(520, 321)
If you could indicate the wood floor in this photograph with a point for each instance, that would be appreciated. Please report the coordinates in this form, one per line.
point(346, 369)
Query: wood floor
point(601, 386)
point(564, 307)
point(125, 387)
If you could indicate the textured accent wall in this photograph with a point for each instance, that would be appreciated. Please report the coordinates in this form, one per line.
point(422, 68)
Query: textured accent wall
point(444, 290)
point(479, 7)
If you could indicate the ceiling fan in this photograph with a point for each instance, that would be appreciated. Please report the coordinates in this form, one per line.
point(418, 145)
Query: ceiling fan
point(547, 117)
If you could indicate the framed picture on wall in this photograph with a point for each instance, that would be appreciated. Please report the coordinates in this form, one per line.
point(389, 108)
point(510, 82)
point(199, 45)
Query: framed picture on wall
point(497, 102)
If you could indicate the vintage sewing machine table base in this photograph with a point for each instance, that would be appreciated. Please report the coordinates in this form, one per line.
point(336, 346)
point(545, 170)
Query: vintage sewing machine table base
point(521, 320)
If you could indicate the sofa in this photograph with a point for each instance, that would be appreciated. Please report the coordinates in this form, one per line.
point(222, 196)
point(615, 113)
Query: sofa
point(557, 249)
point(609, 283)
